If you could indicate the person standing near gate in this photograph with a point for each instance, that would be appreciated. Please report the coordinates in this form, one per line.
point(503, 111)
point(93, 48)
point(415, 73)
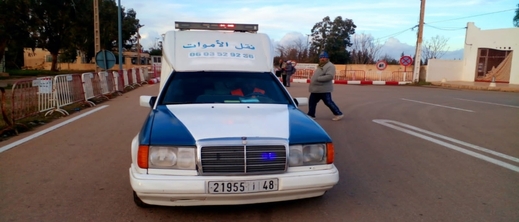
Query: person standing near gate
point(290, 69)
point(283, 67)
point(321, 87)
point(279, 69)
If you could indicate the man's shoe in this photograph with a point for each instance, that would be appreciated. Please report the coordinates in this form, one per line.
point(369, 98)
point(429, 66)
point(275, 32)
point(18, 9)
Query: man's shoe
point(336, 118)
point(313, 117)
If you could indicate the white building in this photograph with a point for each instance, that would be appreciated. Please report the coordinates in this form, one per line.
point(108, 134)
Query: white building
point(488, 54)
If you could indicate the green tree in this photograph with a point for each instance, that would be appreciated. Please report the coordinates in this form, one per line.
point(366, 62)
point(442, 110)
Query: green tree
point(54, 22)
point(15, 24)
point(516, 17)
point(332, 37)
point(364, 50)
point(108, 28)
point(156, 51)
point(130, 26)
point(62, 27)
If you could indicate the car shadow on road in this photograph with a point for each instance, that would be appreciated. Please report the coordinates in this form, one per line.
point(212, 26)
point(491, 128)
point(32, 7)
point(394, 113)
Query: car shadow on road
point(265, 211)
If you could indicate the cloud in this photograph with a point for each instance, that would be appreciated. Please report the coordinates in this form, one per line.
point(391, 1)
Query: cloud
point(394, 49)
point(275, 18)
point(382, 19)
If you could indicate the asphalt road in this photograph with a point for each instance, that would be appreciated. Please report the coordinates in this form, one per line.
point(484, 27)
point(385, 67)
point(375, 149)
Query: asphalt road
point(404, 154)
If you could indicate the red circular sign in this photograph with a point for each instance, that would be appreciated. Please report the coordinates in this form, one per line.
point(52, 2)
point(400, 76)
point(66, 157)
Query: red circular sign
point(406, 60)
point(381, 65)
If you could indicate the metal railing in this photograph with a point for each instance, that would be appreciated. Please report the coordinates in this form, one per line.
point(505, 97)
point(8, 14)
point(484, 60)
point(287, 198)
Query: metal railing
point(45, 95)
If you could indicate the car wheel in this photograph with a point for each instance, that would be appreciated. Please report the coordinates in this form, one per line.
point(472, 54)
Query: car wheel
point(138, 201)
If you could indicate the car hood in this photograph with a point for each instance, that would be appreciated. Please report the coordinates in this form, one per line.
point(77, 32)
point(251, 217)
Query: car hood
point(186, 124)
point(206, 121)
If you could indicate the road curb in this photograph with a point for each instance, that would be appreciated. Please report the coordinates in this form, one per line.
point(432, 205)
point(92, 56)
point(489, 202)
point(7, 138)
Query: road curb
point(472, 87)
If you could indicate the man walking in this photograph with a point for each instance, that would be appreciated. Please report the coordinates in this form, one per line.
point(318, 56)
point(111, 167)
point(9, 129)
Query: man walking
point(321, 87)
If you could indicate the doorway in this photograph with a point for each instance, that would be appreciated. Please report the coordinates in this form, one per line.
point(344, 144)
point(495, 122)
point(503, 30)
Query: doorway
point(493, 64)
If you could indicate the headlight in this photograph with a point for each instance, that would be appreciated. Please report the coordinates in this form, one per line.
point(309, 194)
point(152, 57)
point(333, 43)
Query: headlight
point(314, 153)
point(172, 158)
point(310, 154)
point(295, 157)
point(186, 158)
point(163, 156)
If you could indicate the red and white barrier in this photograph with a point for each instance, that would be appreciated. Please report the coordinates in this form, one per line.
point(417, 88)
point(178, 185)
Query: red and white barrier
point(133, 78)
point(356, 82)
point(49, 94)
point(154, 80)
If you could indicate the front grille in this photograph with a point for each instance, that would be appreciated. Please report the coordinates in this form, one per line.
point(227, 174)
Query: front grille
point(243, 159)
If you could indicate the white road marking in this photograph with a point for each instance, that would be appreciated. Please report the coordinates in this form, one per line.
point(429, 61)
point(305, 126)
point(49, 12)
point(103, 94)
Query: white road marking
point(432, 104)
point(497, 104)
point(16, 143)
point(393, 124)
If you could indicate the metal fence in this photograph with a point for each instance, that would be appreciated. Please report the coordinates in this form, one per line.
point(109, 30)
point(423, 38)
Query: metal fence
point(36, 96)
point(359, 75)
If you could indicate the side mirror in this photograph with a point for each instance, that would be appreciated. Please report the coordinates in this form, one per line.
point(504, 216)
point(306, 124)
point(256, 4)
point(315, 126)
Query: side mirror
point(301, 101)
point(147, 101)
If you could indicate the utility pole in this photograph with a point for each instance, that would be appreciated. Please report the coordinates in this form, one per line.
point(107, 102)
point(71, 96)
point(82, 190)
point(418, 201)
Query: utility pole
point(97, 41)
point(120, 37)
point(418, 53)
point(138, 47)
point(139, 44)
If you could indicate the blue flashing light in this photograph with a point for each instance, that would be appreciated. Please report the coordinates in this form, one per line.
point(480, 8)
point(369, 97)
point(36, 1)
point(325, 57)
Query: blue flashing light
point(268, 156)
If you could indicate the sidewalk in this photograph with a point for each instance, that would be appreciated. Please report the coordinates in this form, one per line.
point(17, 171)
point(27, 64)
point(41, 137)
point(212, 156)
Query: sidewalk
point(504, 87)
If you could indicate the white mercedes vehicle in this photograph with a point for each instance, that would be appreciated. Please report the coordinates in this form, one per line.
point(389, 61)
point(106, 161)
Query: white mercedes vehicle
point(223, 130)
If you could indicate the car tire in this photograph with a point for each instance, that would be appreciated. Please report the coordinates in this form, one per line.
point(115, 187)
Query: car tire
point(139, 202)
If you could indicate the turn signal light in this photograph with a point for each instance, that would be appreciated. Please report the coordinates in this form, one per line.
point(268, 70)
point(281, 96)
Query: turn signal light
point(142, 156)
point(329, 153)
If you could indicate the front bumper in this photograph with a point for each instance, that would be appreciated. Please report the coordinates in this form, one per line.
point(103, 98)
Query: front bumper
point(169, 190)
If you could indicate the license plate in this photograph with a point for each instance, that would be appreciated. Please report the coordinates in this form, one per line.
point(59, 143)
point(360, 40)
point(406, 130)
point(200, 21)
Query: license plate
point(246, 186)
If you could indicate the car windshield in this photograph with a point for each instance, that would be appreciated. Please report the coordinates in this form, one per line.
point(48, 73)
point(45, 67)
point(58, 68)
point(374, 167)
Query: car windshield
point(223, 87)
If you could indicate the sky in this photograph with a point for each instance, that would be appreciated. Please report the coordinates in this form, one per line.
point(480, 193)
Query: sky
point(390, 22)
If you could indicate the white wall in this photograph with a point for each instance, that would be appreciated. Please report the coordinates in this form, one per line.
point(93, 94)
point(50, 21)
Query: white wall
point(450, 70)
point(500, 39)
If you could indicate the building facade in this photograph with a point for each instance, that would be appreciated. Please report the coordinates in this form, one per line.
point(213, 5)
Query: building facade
point(488, 56)
point(41, 59)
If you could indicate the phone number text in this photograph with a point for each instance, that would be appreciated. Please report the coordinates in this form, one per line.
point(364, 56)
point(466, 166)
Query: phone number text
point(233, 55)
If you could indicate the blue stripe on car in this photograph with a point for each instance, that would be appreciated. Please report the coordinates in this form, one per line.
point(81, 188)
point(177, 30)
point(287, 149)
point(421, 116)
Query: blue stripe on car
point(145, 133)
point(304, 130)
point(162, 128)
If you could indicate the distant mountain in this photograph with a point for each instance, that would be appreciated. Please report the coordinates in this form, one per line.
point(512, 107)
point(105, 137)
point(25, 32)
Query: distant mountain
point(456, 55)
point(394, 48)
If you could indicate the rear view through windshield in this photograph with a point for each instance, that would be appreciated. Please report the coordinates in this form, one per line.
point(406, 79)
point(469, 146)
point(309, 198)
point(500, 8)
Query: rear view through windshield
point(223, 87)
